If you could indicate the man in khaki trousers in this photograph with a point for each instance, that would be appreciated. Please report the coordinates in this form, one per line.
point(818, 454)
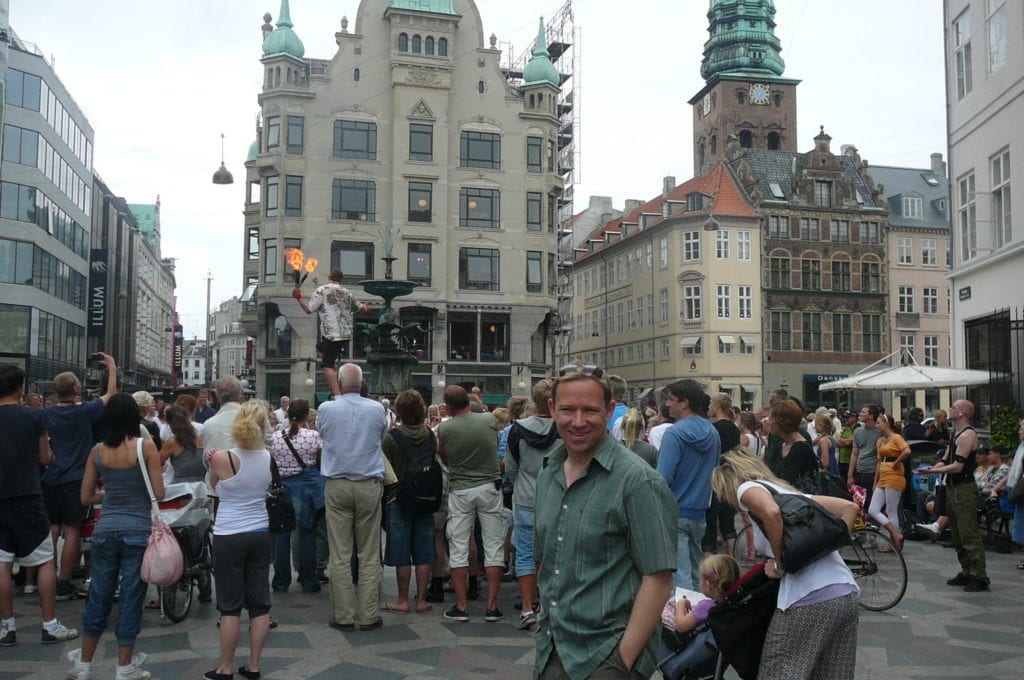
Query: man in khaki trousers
point(352, 462)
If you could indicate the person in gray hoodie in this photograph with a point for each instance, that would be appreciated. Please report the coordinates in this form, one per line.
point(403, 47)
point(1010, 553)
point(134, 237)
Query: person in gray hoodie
point(689, 452)
point(529, 442)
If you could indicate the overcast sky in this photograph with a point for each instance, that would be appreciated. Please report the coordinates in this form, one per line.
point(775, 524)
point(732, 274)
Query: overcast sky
point(159, 82)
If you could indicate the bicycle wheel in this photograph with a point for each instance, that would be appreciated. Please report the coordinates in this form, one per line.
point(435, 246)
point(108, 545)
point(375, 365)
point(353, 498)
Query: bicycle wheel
point(878, 568)
point(177, 599)
point(743, 551)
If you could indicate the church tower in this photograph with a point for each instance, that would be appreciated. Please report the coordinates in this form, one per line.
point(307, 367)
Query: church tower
point(744, 94)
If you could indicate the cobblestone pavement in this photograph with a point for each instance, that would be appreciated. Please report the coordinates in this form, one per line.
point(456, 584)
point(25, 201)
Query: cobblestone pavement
point(936, 632)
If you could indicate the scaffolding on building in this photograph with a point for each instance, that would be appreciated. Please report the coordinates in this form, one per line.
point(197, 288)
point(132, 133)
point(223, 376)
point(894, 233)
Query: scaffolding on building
point(563, 37)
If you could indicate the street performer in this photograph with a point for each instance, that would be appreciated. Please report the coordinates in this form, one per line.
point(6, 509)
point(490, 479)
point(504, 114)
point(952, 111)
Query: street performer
point(335, 305)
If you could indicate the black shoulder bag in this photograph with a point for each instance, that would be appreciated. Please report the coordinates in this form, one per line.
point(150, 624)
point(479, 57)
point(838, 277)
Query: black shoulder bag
point(280, 508)
point(809, 531)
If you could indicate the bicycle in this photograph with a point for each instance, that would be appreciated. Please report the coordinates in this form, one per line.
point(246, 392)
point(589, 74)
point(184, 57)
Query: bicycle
point(874, 560)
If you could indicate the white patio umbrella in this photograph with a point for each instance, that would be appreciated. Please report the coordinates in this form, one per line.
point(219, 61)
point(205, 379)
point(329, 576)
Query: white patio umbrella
point(912, 377)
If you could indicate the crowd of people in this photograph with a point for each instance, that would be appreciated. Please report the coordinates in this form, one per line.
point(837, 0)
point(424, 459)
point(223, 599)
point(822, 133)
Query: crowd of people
point(597, 510)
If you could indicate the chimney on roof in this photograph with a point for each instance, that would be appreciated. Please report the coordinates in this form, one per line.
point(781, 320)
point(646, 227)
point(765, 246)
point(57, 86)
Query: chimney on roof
point(606, 217)
point(631, 205)
point(938, 165)
point(667, 185)
point(602, 203)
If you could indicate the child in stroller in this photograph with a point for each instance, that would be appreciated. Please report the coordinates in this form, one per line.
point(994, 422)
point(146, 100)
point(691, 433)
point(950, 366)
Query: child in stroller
point(688, 649)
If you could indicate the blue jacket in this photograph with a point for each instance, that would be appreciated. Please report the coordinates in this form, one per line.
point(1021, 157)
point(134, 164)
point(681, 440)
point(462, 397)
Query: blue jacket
point(689, 452)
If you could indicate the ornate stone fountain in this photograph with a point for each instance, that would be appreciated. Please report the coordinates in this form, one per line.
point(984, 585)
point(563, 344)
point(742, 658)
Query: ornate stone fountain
point(389, 352)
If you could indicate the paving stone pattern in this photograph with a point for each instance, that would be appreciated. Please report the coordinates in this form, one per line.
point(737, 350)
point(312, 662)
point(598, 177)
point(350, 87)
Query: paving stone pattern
point(936, 632)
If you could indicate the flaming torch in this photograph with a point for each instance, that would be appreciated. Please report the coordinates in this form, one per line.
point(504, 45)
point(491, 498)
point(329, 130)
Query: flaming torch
point(299, 262)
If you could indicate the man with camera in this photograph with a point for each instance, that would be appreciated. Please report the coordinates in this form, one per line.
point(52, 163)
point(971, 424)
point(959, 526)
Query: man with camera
point(70, 423)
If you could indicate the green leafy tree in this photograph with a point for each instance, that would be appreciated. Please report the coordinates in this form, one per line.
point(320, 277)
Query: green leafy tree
point(1005, 426)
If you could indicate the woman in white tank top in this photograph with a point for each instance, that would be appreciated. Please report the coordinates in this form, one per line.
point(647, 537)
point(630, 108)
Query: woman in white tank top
point(243, 547)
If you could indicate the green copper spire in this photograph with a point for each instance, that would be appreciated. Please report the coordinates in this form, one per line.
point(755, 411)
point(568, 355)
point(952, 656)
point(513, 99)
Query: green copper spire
point(435, 6)
point(540, 69)
point(742, 39)
point(283, 40)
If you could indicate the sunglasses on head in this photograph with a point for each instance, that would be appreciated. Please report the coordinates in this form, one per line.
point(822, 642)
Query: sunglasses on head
point(588, 370)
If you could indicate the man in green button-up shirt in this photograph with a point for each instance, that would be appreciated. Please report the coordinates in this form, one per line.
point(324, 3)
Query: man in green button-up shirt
point(605, 543)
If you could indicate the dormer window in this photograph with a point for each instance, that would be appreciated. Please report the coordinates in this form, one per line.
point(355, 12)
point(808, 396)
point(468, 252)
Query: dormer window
point(823, 193)
point(913, 207)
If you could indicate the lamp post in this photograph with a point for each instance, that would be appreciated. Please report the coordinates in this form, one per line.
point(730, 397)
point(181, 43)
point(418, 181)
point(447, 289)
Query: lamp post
point(208, 372)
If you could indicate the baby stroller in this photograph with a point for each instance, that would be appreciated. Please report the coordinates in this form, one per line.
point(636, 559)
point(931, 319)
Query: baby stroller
point(733, 635)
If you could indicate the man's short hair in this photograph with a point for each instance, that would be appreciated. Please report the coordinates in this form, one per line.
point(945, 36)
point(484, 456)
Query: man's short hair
point(350, 376)
point(336, 275)
point(410, 408)
point(582, 372)
point(12, 379)
point(691, 391)
point(541, 395)
point(64, 384)
point(872, 410)
point(229, 389)
point(456, 398)
point(619, 387)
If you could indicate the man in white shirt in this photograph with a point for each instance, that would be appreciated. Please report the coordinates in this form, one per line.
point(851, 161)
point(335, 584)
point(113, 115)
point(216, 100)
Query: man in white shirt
point(281, 413)
point(336, 305)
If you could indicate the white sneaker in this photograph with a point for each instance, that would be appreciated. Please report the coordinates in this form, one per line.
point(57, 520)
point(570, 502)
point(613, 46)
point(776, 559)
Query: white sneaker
point(930, 529)
point(132, 670)
point(81, 670)
point(60, 634)
point(30, 589)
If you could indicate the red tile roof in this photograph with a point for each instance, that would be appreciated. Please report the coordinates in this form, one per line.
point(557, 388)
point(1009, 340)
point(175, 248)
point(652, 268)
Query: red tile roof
point(728, 200)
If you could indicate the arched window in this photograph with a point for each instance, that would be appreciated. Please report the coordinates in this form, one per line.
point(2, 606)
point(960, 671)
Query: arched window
point(532, 102)
point(774, 141)
point(355, 75)
point(442, 47)
point(416, 44)
point(403, 42)
point(480, 87)
point(428, 45)
point(778, 99)
point(714, 145)
point(740, 99)
point(746, 139)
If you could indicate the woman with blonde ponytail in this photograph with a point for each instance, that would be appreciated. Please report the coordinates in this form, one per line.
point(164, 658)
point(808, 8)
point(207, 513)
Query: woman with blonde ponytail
point(243, 547)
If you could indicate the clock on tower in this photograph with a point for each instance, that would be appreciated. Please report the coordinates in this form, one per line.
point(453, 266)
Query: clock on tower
point(760, 93)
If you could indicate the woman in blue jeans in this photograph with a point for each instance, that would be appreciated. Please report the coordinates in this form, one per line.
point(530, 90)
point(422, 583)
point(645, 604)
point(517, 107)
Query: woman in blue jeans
point(296, 450)
point(119, 540)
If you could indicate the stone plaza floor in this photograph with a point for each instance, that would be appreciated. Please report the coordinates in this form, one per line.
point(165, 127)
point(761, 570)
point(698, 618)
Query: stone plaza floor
point(937, 631)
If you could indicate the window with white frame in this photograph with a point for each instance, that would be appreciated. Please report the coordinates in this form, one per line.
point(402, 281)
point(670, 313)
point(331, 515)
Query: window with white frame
point(840, 231)
point(842, 325)
point(620, 316)
point(967, 218)
point(663, 302)
point(650, 309)
point(929, 252)
point(905, 250)
point(640, 352)
point(906, 348)
point(630, 354)
point(962, 54)
point(811, 332)
point(746, 347)
point(629, 314)
point(778, 227)
point(666, 350)
point(869, 232)
point(913, 207)
point(693, 349)
point(745, 298)
point(906, 299)
point(724, 301)
point(724, 347)
point(930, 300)
point(743, 244)
point(663, 251)
point(692, 302)
point(931, 350)
point(722, 244)
point(1002, 228)
point(809, 229)
point(871, 332)
point(639, 261)
point(649, 256)
point(779, 330)
point(995, 23)
point(691, 246)
point(639, 312)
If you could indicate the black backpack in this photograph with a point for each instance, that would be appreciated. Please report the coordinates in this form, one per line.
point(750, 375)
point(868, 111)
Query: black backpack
point(422, 486)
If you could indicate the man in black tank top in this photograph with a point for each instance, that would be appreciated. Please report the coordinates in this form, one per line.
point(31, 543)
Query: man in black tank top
point(962, 499)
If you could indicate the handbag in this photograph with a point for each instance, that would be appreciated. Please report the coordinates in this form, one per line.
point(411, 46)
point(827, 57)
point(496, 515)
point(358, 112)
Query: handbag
point(280, 508)
point(162, 563)
point(809, 531)
point(821, 482)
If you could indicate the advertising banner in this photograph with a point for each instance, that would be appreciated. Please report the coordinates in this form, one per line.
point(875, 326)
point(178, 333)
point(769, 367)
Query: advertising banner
point(97, 320)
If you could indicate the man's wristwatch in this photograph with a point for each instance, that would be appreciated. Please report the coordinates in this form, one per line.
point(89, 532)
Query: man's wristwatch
point(776, 567)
